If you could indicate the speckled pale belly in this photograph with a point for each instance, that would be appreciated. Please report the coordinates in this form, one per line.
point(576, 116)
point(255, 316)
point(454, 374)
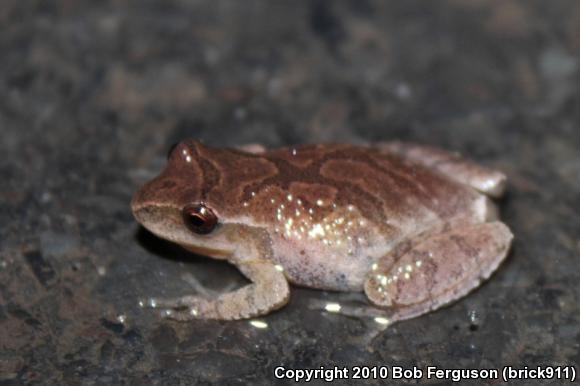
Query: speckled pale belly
point(333, 269)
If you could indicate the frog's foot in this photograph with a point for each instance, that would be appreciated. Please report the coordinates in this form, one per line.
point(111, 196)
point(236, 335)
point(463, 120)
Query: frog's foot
point(269, 291)
point(183, 308)
point(438, 270)
point(484, 180)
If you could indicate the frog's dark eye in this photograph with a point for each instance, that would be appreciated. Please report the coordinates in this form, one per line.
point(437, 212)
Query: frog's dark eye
point(171, 148)
point(199, 218)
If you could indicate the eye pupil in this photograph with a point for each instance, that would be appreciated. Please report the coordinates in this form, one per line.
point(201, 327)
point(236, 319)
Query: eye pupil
point(199, 219)
point(196, 220)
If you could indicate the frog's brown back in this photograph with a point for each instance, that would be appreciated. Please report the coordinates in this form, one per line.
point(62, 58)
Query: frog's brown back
point(380, 185)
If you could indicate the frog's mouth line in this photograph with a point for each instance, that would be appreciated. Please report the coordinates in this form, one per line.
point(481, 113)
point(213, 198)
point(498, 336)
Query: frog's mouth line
point(151, 216)
point(216, 253)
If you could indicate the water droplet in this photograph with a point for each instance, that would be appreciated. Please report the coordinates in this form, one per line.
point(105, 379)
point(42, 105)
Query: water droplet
point(381, 320)
point(332, 307)
point(258, 324)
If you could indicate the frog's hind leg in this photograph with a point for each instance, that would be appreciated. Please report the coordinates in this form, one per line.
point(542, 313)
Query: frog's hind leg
point(484, 180)
point(268, 291)
point(254, 148)
point(438, 269)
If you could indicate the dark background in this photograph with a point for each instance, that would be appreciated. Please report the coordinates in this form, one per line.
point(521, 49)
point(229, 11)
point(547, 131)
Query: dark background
point(92, 93)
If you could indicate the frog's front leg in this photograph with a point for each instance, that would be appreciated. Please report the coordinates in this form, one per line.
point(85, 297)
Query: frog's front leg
point(438, 269)
point(268, 291)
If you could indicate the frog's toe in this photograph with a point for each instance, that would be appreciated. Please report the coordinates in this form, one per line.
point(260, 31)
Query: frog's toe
point(174, 303)
point(182, 315)
point(187, 308)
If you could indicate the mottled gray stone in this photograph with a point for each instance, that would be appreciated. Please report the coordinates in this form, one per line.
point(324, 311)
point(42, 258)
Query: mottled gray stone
point(93, 93)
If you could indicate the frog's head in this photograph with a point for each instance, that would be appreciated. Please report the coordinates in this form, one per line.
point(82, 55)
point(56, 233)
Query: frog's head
point(197, 200)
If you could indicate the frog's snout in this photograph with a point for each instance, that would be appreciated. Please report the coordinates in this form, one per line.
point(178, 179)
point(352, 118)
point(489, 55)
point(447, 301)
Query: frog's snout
point(154, 192)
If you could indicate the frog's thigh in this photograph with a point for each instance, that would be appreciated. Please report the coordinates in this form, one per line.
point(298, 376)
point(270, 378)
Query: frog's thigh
point(253, 148)
point(268, 291)
point(438, 270)
point(487, 181)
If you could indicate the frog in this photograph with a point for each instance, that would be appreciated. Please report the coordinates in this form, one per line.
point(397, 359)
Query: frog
point(411, 226)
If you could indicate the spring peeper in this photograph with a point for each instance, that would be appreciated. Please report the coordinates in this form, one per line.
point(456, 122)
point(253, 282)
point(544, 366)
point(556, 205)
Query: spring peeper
point(412, 226)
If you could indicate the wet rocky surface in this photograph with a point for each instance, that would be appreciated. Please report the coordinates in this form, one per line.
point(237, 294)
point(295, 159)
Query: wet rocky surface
point(92, 94)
